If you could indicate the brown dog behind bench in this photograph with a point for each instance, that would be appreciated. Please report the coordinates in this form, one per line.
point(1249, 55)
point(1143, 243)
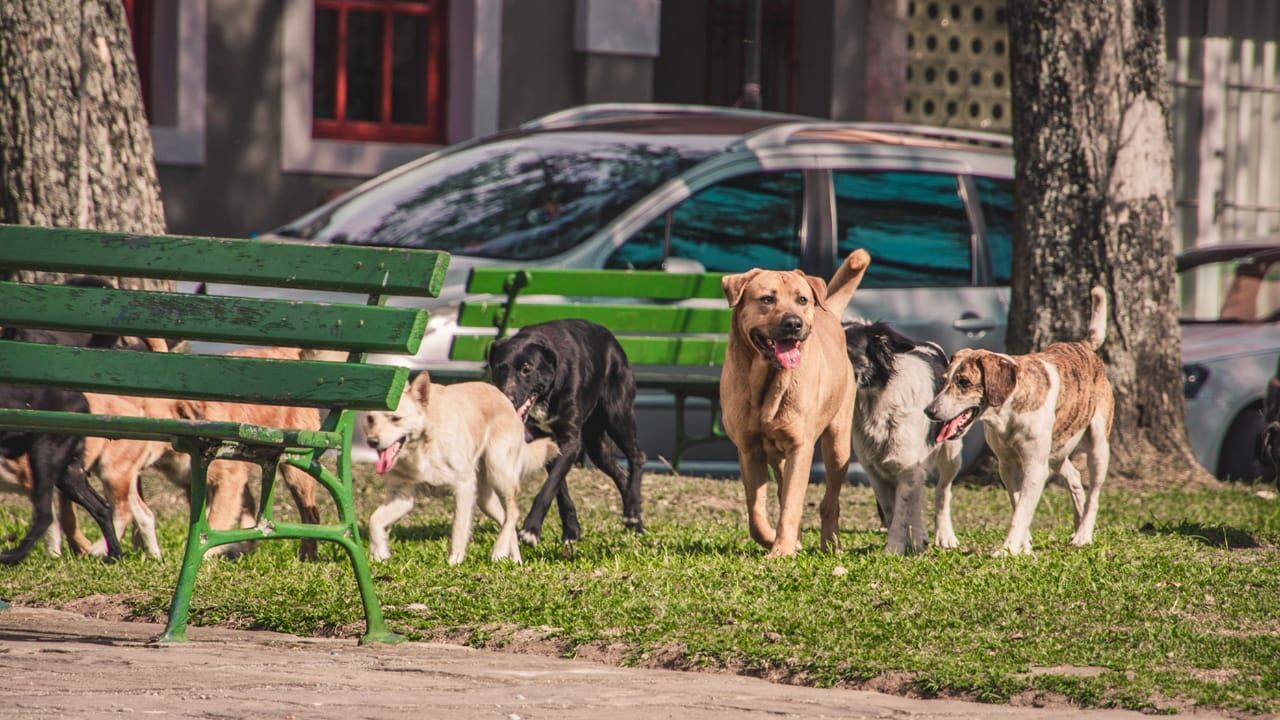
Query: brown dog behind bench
point(787, 383)
point(119, 462)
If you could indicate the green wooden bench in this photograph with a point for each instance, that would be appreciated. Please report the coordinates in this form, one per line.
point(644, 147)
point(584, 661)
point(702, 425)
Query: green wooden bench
point(677, 348)
point(361, 327)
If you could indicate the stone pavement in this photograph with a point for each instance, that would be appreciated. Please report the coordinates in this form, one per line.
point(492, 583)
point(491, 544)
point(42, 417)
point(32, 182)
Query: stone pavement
point(61, 665)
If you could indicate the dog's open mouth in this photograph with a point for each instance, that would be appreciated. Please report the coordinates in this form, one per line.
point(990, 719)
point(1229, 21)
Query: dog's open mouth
point(783, 353)
point(526, 406)
point(956, 426)
point(387, 457)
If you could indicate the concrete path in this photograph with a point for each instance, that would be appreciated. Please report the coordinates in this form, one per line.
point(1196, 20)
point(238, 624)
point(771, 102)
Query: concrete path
point(60, 665)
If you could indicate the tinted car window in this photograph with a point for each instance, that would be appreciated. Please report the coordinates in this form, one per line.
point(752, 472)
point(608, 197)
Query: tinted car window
point(996, 197)
point(520, 198)
point(745, 222)
point(913, 224)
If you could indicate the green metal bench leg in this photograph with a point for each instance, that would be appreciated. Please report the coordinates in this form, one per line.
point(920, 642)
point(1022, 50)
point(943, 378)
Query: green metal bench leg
point(198, 530)
point(376, 630)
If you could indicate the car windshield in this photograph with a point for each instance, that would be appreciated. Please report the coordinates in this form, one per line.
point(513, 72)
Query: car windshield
point(1240, 290)
point(521, 198)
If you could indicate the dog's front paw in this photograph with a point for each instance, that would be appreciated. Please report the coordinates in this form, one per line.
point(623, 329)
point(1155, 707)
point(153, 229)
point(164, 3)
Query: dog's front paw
point(379, 553)
point(529, 538)
point(456, 558)
point(1013, 550)
point(98, 548)
point(634, 524)
point(1080, 539)
point(946, 541)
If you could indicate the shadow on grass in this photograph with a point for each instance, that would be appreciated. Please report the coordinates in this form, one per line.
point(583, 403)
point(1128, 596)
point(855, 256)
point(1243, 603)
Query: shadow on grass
point(430, 531)
point(1223, 536)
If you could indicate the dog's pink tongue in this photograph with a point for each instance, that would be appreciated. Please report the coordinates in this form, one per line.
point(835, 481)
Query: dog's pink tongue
point(949, 428)
point(788, 353)
point(386, 458)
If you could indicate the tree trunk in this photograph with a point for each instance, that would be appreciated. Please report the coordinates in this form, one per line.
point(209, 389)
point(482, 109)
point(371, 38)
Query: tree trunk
point(75, 148)
point(1093, 206)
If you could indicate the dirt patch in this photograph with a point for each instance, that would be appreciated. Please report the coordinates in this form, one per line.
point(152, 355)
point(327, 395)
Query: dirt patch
point(1041, 699)
point(100, 606)
point(893, 683)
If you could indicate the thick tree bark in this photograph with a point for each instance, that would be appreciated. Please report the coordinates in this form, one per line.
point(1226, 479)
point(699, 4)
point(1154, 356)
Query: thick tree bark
point(1093, 206)
point(75, 149)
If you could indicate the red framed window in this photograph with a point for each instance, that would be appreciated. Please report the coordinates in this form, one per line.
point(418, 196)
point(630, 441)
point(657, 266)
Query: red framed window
point(137, 14)
point(379, 70)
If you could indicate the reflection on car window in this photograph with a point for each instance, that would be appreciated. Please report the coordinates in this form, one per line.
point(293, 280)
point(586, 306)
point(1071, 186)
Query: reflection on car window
point(1241, 290)
point(747, 222)
point(517, 199)
point(996, 197)
point(913, 224)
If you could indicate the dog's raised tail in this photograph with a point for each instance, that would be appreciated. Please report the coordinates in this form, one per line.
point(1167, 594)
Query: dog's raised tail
point(846, 279)
point(1098, 318)
point(534, 456)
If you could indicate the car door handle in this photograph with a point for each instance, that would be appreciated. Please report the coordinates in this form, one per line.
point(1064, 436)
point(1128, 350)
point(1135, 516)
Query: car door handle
point(973, 324)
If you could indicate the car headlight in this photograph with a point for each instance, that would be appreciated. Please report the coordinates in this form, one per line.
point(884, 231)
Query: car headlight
point(1193, 378)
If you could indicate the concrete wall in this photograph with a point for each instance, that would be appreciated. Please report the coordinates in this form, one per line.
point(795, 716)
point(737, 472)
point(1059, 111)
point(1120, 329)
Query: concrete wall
point(240, 189)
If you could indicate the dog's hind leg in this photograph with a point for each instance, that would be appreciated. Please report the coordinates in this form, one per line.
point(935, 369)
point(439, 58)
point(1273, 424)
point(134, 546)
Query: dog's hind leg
point(949, 459)
point(622, 428)
point(1071, 476)
point(835, 457)
point(396, 503)
point(229, 498)
point(303, 489)
point(66, 454)
point(1099, 457)
point(600, 450)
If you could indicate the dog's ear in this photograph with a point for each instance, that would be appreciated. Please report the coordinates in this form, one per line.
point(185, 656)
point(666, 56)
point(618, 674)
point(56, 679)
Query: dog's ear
point(999, 377)
point(420, 388)
point(892, 340)
point(734, 285)
point(819, 288)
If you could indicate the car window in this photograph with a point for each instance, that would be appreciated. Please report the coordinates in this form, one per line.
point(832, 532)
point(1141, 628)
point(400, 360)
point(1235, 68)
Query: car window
point(746, 222)
point(913, 224)
point(996, 198)
point(1240, 290)
point(521, 198)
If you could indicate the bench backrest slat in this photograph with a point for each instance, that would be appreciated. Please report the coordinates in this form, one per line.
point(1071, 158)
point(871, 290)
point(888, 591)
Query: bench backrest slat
point(335, 268)
point(640, 350)
point(204, 377)
point(620, 318)
point(652, 284)
point(142, 428)
point(362, 328)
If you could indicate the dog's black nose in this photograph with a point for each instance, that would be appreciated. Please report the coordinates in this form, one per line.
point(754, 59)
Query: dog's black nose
point(373, 442)
point(792, 323)
point(931, 412)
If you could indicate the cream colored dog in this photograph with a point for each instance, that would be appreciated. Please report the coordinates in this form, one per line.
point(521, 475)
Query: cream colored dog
point(466, 438)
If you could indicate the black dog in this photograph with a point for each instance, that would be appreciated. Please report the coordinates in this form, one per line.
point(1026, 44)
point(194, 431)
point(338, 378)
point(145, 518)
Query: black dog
point(570, 379)
point(57, 461)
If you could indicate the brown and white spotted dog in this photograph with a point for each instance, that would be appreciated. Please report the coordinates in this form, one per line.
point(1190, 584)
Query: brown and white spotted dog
point(1039, 411)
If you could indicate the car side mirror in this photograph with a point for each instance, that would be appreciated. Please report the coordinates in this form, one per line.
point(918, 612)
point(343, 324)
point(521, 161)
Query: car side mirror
point(684, 266)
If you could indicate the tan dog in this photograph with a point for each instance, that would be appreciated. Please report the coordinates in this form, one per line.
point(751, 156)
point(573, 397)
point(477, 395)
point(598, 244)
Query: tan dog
point(1038, 412)
point(118, 463)
point(464, 438)
point(786, 383)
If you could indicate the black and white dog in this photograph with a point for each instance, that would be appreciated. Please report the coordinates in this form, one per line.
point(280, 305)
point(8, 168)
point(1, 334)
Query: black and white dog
point(892, 437)
point(570, 380)
point(1269, 442)
point(57, 461)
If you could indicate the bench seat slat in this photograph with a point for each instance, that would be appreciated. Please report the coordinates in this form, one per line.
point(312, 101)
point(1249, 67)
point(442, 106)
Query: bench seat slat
point(313, 266)
point(140, 428)
point(362, 328)
point(640, 350)
point(620, 318)
point(653, 284)
point(203, 377)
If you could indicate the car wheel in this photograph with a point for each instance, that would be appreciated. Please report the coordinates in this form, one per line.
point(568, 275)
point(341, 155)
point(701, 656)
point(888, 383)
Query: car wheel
point(1239, 457)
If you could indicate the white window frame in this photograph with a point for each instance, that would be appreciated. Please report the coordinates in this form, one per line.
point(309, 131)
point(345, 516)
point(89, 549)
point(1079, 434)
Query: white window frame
point(184, 143)
point(475, 39)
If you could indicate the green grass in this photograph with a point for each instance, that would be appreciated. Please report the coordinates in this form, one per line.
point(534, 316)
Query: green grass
point(1176, 605)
